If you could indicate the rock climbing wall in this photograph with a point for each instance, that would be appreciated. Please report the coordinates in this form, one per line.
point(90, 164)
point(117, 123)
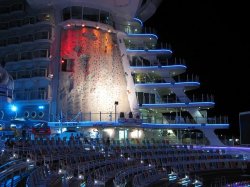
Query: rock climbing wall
point(94, 77)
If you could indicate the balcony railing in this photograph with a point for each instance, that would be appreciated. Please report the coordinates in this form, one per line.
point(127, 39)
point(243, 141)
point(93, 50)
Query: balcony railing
point(5, 91)
point(39, 72)
point(31, 95)
point(110, 117)
point(202, 98)
point(184, 120)
point(160, 62)
point(133, 46)
point(14, 23)
point(144, 78)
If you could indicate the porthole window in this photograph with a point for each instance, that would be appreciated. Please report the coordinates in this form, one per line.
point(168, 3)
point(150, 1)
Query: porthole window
point(40, 114)
point(33, 114)
point(26, 114)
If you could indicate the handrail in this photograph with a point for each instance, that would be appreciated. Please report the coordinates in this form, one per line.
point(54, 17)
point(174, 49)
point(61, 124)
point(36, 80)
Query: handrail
point(108, 118)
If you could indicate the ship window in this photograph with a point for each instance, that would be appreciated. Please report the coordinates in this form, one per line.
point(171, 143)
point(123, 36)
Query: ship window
point(40, 53)
point(12, 57)
point(14, 40)
point(42, 35)
point(4, 10)
point(90, 14)
point(15, 23)
point(42, 17)
point(17, 7)
point(26, 38)
point(146, 98)
point(76, 12)
point(66, 14)
point(26, 55)
point(104, 17)
point(140, 97)
point(152, 98)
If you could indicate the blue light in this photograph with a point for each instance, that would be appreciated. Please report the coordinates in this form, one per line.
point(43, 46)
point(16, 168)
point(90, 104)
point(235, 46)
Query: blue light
point(136, 19)
point(150, 50)
point(13, 108)
point(41, 107)
point(143, 35)
point(157, 67)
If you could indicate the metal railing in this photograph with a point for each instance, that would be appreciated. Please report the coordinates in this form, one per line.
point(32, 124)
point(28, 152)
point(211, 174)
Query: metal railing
point(37, 72)
point(31, 95)
point(144, 78)
point(145, 118)
point(160, 62)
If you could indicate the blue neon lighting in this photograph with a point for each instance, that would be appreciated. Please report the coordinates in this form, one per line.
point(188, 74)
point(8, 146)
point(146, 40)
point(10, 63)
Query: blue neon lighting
point(157, 67)
point(143, 35)
point(190, 103)
point(13, 108)
point(188, 83)
point(150, 50)
point(183, 125)
point(166, 84)
point(41, 107)
point(136, 19)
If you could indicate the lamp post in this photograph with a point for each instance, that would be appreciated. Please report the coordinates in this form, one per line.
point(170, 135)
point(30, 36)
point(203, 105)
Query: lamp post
point(116, 103)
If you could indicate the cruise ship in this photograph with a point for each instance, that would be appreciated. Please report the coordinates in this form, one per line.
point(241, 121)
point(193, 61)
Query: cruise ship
point(92, 68)
point(92, 65)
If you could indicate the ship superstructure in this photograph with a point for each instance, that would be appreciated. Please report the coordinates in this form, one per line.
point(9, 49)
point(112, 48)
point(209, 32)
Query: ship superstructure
point(92, 63)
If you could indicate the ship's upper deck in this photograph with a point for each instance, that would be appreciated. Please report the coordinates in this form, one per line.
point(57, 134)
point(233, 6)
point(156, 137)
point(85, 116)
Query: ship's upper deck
point(121, 9)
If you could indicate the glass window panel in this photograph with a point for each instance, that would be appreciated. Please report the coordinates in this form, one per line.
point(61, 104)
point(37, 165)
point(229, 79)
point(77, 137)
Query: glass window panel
point(66, 14)
point(14, 40)
point(104, 17)
point(17, 7)
point(76, 12)
point(90, 14)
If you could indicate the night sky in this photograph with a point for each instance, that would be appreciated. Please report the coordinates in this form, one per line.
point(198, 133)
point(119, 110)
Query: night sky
point(213, 39)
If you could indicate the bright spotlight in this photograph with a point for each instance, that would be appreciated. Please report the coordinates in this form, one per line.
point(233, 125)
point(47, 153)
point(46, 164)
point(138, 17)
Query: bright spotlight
point(41, 107)
point(13, 108)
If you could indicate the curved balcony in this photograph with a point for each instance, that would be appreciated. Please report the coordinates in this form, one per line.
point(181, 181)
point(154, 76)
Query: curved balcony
point(149, 52)
point(139, 61)
point(171, 99)
point(144, 41)
point(181, 121)
point(37, 37)
point(5, 92)
point(31, 95)
point(147, 39)
point(20, 23)
point(147, 87)
point(24, 74)
point(27, 56)
point(177, 105)
point(12, 8)
point(159, 70)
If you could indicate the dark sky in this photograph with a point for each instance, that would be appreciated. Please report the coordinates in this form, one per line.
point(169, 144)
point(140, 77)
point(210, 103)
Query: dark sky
point(213, 38)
